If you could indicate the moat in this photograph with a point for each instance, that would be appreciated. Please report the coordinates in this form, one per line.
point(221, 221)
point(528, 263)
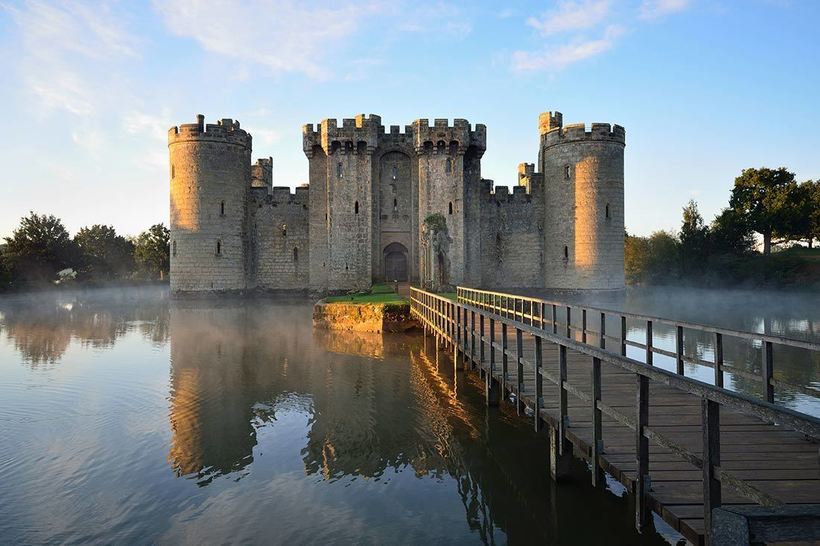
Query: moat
point(131, 418)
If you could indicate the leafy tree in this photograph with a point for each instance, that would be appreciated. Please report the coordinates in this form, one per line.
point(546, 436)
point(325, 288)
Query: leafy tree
point(105, 254)
point(765, 199)
point(810, 205)
point(5, 273)
point(694, 237)
point(652, 259)
point(152, 250)
point(39, 248)
point(730, 234)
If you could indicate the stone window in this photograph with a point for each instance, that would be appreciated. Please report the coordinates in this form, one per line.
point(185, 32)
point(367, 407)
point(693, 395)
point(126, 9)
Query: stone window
point(395, 172)
point(450, 208)
point(608, 216)
point(567, 172)
point(218, 247)
point(566, 253)
point(284, 230)
point(174, 248)
point(356, 207)
point(395, 205)
point(172, 171)
point(295, 254)
point(448, 166)
point(339, 169)
point(222, 208)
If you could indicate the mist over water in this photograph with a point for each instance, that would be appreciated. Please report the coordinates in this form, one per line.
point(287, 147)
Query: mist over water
point(126, 417)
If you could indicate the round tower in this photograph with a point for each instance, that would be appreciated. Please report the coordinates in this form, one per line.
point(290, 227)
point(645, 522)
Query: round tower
point(210, 185)
point(584, 204)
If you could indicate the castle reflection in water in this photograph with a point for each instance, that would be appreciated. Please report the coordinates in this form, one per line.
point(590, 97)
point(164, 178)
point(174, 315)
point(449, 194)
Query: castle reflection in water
point(373, 404)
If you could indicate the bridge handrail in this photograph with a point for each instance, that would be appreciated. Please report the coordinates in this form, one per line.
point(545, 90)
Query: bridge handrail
point(756, 336)
point(764, 410)
point(448, 318)
point(499, 302)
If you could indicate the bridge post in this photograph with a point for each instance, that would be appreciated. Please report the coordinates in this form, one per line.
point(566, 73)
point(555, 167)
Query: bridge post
point(597, 424)
point(519, 350)
point(504, 360)
point(710, 412)
point(642, 483)
point(457, 355)
point(539, 385)
point(560, 448)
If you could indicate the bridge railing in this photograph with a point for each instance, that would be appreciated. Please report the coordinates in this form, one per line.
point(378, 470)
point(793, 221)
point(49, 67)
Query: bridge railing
point(559, 316)
point(455, 322)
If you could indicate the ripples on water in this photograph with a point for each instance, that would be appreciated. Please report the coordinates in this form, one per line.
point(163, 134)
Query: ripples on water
point(127, 418)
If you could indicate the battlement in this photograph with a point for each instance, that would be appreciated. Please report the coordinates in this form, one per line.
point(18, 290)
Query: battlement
point(281, 195)
point(359, 134)
point(262, 173)
point(225, 130)
point(547, 121)
point(525, 169)
point(578, 132)
point(445, 138)
point(502, 195)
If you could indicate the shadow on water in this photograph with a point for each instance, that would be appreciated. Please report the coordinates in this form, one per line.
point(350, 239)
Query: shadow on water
point(275, 433)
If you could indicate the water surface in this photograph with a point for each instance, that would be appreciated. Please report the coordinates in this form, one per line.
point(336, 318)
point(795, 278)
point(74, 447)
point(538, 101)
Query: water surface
point(127, 418)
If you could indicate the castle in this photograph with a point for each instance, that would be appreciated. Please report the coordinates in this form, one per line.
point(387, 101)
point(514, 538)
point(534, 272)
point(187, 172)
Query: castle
point(386, 204)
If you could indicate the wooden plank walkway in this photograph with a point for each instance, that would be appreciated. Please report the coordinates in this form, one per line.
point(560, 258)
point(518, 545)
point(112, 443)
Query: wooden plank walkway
point(781, 465)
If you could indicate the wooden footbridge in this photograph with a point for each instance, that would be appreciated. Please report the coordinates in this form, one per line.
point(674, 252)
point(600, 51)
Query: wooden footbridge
point(719, 466)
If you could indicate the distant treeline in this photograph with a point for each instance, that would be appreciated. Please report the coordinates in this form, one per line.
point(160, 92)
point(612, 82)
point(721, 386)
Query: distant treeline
point(763, 201)
point(41, 252)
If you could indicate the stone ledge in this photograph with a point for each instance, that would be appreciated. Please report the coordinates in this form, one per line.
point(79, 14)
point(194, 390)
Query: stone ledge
point(363, 317)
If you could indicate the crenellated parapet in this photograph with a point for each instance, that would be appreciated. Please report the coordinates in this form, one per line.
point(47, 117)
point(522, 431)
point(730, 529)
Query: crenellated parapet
point(355, 135)
point(443, 138)
point(282, 196)
point(262, 173)
point(577, 132)
point(226, 131)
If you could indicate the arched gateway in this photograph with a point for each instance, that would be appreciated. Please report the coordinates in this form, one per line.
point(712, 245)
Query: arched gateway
point(395, 262)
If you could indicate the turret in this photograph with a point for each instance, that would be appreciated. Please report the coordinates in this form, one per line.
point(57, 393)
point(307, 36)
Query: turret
point(584, 203)
point(446, 155)
point(210, 181)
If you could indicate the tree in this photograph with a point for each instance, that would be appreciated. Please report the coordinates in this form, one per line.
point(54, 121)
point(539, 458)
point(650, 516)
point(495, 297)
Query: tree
point(764, 197)
point(693, 239)
point(39, 248)
point(809, 223)
point(652, 259)
point(105, 254)
point(152, 250)
point(730, 234)
point(5, 273)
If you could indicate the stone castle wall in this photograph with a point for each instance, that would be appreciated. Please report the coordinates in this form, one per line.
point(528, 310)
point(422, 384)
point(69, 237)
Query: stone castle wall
point(281, 233)
point(584, 196)
point(370, 190)
point(210, 184)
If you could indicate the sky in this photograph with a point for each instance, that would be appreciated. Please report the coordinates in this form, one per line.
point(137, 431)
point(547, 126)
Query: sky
point(704, 89)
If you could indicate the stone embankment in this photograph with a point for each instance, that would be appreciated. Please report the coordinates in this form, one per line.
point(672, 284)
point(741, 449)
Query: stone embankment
point(363, 317)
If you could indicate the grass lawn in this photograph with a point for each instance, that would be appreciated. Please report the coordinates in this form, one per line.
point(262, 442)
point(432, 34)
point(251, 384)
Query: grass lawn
point(378, 293)
point(367, 298)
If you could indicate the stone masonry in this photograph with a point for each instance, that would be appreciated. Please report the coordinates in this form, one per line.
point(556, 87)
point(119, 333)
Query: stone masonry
point(374, 194)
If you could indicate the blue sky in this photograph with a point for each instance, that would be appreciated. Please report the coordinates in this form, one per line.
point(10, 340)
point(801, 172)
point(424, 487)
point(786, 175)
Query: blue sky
point(704, 89)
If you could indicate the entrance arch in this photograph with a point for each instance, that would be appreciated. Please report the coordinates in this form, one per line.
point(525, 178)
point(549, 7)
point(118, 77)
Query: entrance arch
point(395, 262)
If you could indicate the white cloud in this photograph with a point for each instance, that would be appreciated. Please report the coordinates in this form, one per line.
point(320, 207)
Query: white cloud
point(282, 35)
point(440, 18)
point(653, 9)
point(154, 126)
point(63, 45)
point(570, 15)
point(89, 139)
point(559, 57)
